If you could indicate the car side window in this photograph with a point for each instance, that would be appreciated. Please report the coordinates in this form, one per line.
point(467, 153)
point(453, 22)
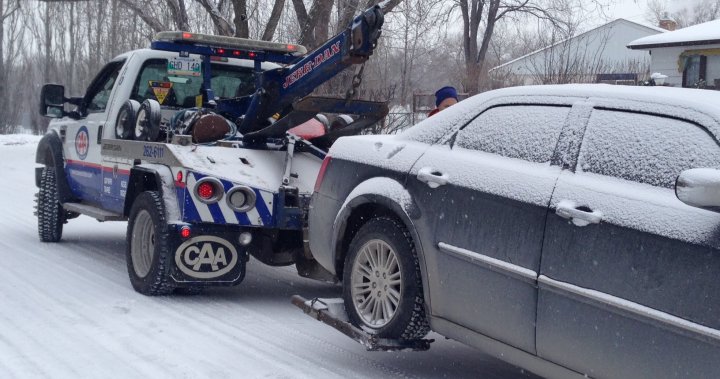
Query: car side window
point(101, 87)
point(645, 148)
point(528, 132)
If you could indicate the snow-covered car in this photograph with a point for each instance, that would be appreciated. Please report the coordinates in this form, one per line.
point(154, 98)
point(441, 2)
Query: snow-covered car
point(571, 230)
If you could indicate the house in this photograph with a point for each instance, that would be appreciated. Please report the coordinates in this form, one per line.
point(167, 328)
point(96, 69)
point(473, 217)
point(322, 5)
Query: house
point(689, 57)
point(596, 55)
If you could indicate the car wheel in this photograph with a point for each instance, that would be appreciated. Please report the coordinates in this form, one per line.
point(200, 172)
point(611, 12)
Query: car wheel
point(49, 210)
point(382, 287)
point(149, 250)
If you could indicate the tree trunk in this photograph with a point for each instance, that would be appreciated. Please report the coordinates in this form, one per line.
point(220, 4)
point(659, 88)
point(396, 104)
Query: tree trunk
point(222, 26)
point(242, 29)
point(273, 21)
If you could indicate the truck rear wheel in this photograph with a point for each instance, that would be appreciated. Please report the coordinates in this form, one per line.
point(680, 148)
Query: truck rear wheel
point(49, 210)
point(149, 250)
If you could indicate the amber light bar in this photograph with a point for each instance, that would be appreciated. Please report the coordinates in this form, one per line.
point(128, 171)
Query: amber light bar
point(231, 42)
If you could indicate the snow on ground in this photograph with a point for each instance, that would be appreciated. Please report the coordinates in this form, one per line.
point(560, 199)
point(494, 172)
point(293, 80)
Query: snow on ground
point(67, 310)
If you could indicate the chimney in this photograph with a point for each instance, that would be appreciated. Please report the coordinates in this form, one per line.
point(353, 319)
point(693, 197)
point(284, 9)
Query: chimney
point(667, 23)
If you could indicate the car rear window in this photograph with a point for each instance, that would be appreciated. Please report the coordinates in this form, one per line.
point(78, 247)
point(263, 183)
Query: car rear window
point(528, 132)
point(645, 148)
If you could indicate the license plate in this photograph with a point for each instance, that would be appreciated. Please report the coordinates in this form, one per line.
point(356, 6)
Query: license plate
point(183, 66)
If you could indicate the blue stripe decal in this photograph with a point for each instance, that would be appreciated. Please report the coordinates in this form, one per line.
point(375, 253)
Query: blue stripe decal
point(263, 209)
point(86, 188)
point(191, 213)
point(243, 218)
point(180, 193)
point(216, 213)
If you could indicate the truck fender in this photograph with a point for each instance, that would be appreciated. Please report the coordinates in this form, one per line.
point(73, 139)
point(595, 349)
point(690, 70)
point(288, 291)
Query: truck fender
point(153, 177)
point(390, 195)
point(50, 153)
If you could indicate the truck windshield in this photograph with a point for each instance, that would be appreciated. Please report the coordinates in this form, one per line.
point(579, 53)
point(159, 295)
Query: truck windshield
point(182, 91)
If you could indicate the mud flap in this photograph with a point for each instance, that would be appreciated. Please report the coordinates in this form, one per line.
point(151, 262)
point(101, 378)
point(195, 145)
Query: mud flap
point(332, 312)
point(208, 260)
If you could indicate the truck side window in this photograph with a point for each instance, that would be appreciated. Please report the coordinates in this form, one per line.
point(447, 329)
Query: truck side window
point(645, 148)
point(101, 87)
point(528, 132)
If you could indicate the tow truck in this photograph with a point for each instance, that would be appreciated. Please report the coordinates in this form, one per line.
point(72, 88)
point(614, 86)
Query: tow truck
point(190, 141)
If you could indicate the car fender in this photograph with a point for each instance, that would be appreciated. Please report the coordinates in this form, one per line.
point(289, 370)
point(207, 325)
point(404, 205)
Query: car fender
point(392, 195)
point(164, 183)
point(50, 153)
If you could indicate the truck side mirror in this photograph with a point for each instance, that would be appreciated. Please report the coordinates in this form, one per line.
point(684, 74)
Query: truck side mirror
point(699, 187)
point(52, 101)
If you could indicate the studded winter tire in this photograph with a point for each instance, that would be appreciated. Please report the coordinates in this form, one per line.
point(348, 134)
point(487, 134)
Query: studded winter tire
point(382, 287)
point(49, 210)
point(149, 250)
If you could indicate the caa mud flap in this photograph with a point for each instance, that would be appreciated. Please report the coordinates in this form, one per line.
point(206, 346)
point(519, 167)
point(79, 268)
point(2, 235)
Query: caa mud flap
point(332, 312)
point(208, 259)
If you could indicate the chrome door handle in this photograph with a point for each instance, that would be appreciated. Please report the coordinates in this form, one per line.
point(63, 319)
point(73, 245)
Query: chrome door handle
point(432, 177)
point(570, 210)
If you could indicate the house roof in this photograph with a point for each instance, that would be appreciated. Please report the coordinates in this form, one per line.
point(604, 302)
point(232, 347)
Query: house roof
point(701, 34)
point(593, 30)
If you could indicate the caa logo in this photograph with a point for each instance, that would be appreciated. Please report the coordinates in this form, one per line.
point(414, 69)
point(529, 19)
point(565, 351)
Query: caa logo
point(82, 143)
point(206, 257)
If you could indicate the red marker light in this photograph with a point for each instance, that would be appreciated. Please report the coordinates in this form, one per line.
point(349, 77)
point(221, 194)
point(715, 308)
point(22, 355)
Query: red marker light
point(252, 55)
point(236, 53)
point(206, 190)
point(185, 232)
point(221, 51)
point(186, 35)
point(291, 47)
point(179, 177)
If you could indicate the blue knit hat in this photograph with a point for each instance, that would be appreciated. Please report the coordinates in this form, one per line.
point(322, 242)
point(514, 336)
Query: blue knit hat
point(445, 93)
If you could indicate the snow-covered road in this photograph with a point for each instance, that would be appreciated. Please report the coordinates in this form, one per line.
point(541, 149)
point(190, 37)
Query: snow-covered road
point(67, 310)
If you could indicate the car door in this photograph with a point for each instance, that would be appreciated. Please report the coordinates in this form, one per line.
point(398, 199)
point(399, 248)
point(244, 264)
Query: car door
point(82, 144)
point(483, 202)
point(629, 280)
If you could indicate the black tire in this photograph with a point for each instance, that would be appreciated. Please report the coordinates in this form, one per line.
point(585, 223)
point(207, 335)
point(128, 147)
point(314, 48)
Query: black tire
point(49, 210)
point(149, 248)
point(408, 320)
point(125, 121)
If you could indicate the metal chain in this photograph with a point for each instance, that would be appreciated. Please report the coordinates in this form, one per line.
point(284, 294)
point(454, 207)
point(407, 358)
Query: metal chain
point(356, 81)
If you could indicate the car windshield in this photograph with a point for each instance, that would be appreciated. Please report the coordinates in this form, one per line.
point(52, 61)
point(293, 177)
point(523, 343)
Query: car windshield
point(154, 82)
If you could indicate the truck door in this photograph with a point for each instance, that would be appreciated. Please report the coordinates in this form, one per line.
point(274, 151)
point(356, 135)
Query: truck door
point(83, 136)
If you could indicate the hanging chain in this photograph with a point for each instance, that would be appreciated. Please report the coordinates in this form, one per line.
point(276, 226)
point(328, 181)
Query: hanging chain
point(356, 81)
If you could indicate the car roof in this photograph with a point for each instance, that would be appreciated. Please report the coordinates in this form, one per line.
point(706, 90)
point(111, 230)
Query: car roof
point(696, 105)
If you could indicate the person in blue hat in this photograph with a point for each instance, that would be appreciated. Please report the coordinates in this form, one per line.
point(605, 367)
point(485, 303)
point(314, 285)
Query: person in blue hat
point(444, 97)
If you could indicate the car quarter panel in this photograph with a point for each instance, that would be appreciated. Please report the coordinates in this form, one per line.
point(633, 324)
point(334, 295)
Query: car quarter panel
point(354, 160)
point(637, 294)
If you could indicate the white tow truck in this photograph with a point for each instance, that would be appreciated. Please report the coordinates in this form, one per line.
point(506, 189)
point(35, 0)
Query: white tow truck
point(188, 142)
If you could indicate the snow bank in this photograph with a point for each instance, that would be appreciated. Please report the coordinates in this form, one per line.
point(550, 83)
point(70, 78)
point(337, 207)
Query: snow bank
point(18, 139)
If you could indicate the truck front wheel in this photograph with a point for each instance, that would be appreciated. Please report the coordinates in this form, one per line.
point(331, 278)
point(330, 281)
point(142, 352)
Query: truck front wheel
point(149, 250)
point(49, 210)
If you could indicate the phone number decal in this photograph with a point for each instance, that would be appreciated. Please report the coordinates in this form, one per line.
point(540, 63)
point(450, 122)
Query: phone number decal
point(151, 151)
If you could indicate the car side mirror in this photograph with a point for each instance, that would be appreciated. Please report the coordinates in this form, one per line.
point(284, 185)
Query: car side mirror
point(52, 101)
point(699, 187)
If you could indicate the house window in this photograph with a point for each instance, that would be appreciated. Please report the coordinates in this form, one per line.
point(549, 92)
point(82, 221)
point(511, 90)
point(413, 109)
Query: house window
point(695, 71)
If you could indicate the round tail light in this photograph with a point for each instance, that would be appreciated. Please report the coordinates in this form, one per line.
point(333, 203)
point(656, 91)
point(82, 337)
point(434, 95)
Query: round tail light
point(209, 190)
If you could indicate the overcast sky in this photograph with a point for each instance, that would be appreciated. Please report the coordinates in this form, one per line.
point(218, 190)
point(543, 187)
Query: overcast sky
point(635, 9)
